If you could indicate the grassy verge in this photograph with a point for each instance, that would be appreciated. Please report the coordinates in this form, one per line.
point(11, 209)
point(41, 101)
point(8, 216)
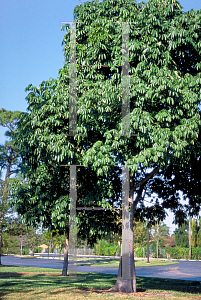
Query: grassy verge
point(109, 262)
point(15, 269)
point(88, 286)
point(115, 263)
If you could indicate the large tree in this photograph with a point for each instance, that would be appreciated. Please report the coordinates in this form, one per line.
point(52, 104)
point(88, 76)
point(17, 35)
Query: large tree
point(164, 119)
point(164, 90)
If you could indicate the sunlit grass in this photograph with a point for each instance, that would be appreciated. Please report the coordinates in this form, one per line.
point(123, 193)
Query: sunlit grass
point(115, 263)
point(11, 269)
point(87, 286)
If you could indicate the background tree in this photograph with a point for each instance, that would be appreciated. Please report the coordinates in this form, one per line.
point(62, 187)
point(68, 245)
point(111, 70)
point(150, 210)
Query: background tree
point(8, 161)
point(59, 240)
point(159, 231)
point(195, 232)
point(47, 240)
point(33, 239)
point(199, 233)
point(44, 195)
point(181, 235)
point(16, 230)
point(140, 235)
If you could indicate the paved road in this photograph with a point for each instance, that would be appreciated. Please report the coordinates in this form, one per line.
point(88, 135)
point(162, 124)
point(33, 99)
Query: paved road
point(186, 270)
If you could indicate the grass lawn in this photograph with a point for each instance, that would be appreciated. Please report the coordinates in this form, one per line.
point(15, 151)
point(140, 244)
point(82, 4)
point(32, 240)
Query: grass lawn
point(49, 284)
point(115, 263)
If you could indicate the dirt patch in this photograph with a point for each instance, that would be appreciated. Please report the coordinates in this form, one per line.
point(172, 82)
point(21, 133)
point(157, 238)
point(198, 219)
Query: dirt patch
point(175, 270)
point(138, 294)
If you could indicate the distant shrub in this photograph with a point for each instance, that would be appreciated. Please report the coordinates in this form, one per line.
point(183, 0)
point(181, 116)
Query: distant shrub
point(25, 251)
point(37, 249)
point(105, 248)
point(183, 253)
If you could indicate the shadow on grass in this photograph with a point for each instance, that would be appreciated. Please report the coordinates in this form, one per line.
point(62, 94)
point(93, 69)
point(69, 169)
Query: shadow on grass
point(88, 282)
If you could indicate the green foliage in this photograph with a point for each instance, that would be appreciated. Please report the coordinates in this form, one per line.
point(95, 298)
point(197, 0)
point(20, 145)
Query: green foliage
point(9, 161)
point(14, 233)
point(199, 238)
point(140, 253)
point(161, 250)
point(181, 236)
point(139, 234)
point(159, 231)
point(10, 244)
point(196, 253)
point(9, 158)
point(25, 251)
point(107, 248)
point(183, 253)
point(37, 249)
point(59, 240)
point(195, 233)
point(177, 252)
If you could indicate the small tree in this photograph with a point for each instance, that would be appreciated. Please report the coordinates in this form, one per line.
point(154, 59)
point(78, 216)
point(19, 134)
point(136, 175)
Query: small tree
point(160, 231)
point(199, 233)
point(195, 232)
point(59, 240)
point(181, 235)
point(47, 240)
point(17, 230)
point(33, 239)
point(140, 235)
point(8, 161)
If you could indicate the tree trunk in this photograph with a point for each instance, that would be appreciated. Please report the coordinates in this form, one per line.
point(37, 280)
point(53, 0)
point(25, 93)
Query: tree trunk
point(127, 285)
point(126, 279)
point(65, 263)
point(132, 259)
point(123, 285)
point(147, 243)
point(157, 240)
point(21, 246)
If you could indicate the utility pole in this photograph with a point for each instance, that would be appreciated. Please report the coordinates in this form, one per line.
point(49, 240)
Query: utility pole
point(189, 237)
point(157, 239)
point(147, 242)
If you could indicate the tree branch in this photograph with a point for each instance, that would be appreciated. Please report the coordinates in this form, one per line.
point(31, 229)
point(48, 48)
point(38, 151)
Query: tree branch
point(143, 181)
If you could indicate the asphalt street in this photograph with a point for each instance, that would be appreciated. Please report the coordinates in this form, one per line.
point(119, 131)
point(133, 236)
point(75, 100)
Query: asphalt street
point(186, 270)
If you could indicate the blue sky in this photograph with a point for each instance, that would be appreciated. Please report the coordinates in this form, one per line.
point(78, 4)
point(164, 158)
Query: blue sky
point(31, 51)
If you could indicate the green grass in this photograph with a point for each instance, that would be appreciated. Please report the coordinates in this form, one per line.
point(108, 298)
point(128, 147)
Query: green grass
point(115, 263)
point(13, 269)
point(87, 286)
